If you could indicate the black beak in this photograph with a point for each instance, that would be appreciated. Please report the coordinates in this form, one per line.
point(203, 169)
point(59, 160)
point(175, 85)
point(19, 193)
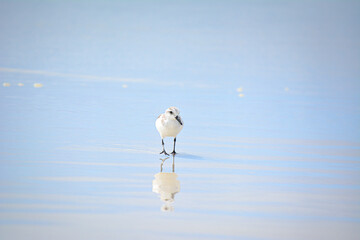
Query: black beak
point(178, 119)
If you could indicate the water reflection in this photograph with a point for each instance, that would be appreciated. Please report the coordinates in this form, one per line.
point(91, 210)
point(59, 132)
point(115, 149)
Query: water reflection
point(166, 185)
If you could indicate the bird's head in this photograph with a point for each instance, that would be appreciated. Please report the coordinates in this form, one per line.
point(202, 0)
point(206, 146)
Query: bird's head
point(173, 112)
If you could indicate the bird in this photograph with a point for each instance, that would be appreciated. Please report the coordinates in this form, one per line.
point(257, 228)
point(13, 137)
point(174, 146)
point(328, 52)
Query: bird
point(169, 124)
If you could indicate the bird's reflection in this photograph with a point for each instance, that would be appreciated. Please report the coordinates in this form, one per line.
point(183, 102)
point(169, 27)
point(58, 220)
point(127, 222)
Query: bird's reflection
point(166, 185)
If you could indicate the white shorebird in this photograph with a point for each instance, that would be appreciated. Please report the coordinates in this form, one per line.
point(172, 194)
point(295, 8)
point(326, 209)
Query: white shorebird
point(169, 124)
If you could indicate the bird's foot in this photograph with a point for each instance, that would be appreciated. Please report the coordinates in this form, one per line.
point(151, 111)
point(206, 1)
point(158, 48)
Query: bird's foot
point(173, 153)
point(164, 152)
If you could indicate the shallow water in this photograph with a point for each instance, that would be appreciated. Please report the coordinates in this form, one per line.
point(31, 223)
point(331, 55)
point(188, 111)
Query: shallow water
point(271, 142)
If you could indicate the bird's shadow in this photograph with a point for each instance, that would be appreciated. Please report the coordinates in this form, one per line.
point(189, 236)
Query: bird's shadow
point(188, 156)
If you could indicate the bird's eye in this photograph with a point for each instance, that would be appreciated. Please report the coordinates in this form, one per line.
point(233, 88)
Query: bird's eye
point(171, 112)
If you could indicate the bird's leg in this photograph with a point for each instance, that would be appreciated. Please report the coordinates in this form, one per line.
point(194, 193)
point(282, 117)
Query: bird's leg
point(173, 152)
point(163, 151)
